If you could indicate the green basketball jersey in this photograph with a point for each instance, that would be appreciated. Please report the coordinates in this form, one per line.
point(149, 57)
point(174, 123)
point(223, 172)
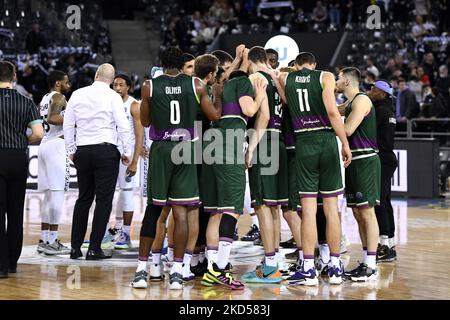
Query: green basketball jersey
point(288, 131)
point(232, 115)
point(305, 103)
point(275, 106)
point(174, 108)
point(363, 142)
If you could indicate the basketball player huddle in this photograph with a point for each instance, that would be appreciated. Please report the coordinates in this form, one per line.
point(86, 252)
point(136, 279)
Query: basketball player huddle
point(245, 118)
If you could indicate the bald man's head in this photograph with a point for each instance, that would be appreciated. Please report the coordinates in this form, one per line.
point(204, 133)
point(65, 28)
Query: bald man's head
point(105, 73)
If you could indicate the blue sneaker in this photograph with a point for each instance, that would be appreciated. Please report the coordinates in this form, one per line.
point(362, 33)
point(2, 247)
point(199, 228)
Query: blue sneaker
point(307, 278)
point(263, 274)
point(124, 241)
point(336, 274)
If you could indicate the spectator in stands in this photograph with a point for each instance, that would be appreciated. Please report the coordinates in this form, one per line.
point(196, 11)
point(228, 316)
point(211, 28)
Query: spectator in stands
point(444, 13)
point(434, 105)
point(334, 12)
point(429, 66)
point(419, 30)
point(319, 14)
point(389, 69)
point(423, 77)
point(407, 106)
point(443, 82)
point(415, 85)
point(301, 21)
point(371, 67)
point(422, 7)
point(35, 40)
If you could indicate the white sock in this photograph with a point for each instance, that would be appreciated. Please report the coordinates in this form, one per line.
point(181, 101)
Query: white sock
point(278, 257)
point(194, 260)
point(44, 235)
point(308, 264)
point(300, 254)
point(371, 261)
point(142, 266)
point(119, 223)
point(202, 256)
point(52, 236)
point(384, 241)
point(213, 255)
point(224, 254)
point(170, 253)
point(335, 261)
point(270, 259)
point(324, 252)
point(156, 257)
point(391, 242)
point(126, 229)
point(177, 267)
point(187, 258)
point(364, 255)
point(255, 220)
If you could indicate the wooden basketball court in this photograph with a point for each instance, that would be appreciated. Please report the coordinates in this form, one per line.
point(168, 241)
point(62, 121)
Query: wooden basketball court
point(421, 271)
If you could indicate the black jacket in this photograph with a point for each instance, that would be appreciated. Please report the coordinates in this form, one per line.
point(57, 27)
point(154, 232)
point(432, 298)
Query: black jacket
point(386, 123)
point(409, 107)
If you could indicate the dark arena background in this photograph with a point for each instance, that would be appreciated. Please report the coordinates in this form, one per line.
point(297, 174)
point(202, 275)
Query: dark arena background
point(404, 43)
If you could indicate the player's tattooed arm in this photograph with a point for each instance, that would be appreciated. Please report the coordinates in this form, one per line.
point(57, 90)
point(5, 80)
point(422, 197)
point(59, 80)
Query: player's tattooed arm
point(329, 100)
point(57, 104)
point(139, 138)
point(145, 113)
point(212, 110)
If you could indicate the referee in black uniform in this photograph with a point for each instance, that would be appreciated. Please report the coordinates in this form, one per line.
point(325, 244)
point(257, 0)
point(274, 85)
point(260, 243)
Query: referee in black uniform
point(381, 95)
point(16, 114)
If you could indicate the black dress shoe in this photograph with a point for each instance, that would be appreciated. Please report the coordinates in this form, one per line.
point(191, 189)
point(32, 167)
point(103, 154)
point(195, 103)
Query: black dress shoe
point(96, 255)
point(12, 270)
point(3, 274)
point(75, 254)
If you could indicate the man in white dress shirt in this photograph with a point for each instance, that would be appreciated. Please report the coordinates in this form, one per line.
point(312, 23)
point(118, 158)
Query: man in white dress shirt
point(95, 123)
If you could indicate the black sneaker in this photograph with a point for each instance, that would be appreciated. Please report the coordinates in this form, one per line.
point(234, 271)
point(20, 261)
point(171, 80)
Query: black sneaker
point(386, 254)
point(292, 255)
point(258, 242)
point(289, 244)
point(175, 281)
point(252, 234)
point(228, 267)
point(293, 267)
point(364, 273)
point(198, 270)
point(140, 280)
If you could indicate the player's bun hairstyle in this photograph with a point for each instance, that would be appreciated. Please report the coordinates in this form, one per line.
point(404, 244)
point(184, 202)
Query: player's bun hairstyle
point(7, 70)
point(257, 54)
point(205, 64)
point(54, 76)
point(305, 58)
point(172, 58)
point(124, 77)
point(353, 73)
point(272, 51)
point(222, 56)
point(238, 73)
point(187, 57)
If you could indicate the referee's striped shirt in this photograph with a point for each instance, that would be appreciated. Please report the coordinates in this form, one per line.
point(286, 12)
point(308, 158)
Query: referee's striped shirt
point(17, 112)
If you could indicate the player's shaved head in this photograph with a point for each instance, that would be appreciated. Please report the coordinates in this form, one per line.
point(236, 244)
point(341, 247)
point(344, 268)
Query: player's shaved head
point(352, 74)
point(105, 73)
point(305, 58)
point(257, 54)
